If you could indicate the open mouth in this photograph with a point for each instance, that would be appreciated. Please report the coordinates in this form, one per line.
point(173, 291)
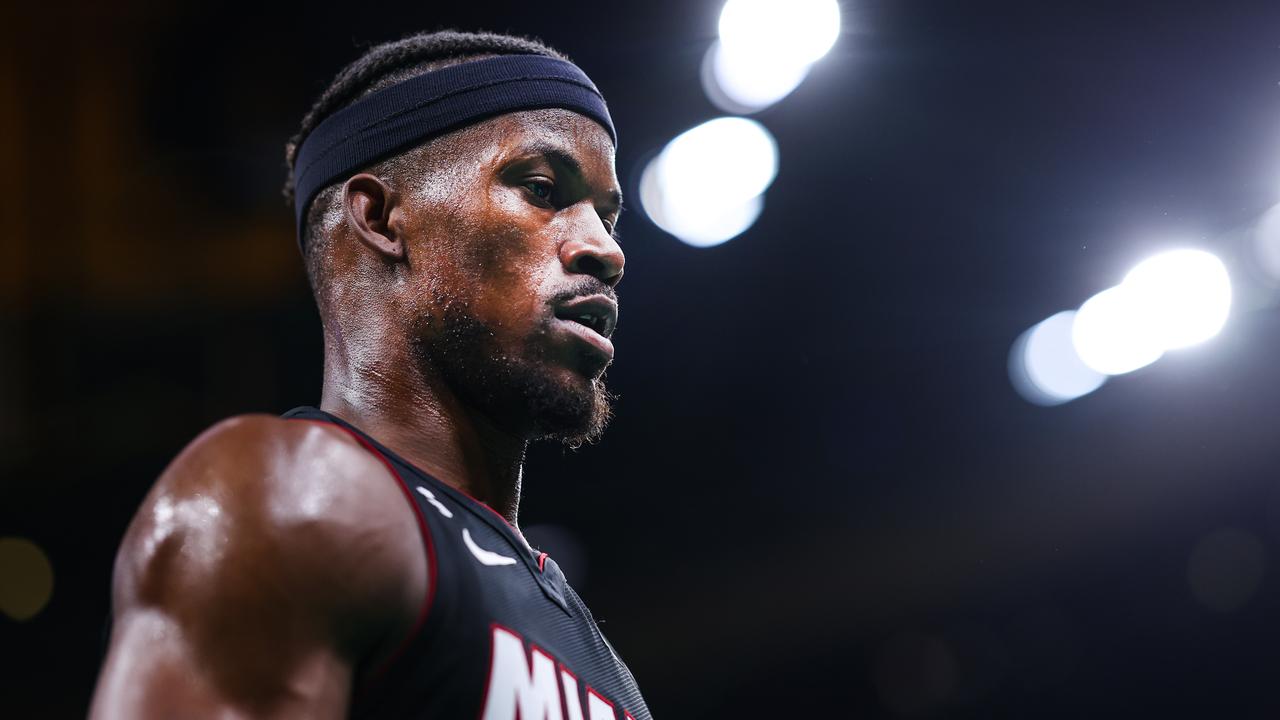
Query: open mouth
point(592, 319)
point(597, 313)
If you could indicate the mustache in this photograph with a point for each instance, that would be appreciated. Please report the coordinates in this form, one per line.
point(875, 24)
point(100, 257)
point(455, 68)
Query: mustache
point(581, 288)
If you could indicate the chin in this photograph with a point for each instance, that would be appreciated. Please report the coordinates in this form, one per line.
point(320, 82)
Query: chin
point(572, 413)
point(534, 393)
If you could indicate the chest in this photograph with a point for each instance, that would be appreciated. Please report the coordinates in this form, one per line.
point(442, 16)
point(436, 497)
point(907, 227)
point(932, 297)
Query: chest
point(504, 635)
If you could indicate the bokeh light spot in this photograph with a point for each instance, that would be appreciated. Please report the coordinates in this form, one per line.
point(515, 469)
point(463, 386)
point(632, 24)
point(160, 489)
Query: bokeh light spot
point(1266, 244)
point(796, 31)
point(26, 578)
point(705, 186)
point(1111, 333)
point(765, 50)
point(1169, 301)
point(1044, 366)
point(1185, 296)
point(748, 82)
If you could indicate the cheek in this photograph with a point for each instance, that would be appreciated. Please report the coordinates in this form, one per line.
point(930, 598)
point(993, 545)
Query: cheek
point(493, 255)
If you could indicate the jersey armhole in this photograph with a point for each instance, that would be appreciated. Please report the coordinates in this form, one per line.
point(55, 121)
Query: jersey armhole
point(379, 671)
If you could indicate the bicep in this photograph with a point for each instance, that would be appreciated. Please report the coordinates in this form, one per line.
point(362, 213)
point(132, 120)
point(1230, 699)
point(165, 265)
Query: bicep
point(156, 669)
point(250, 583)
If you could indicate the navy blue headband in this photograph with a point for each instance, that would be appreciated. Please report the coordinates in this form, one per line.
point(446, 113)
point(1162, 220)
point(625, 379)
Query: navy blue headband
point(420, 108)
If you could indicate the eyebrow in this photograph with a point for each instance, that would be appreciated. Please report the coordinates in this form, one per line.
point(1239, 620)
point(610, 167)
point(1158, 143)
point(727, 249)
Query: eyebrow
point(563, 157)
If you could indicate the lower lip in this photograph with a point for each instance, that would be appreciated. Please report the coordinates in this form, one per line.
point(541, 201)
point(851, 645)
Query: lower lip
point(591, 337)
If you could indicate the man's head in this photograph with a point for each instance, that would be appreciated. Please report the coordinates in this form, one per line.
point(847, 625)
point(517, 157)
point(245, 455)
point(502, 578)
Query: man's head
point(480, 256)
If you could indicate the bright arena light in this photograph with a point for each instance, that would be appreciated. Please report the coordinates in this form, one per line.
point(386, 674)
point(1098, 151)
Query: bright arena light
point(706, 185)
point(1044, 366)
point(1266, 244)
point(1169, 301)
point(796, 31)
point(747, 83)
point(765, 50)
point(1112, 333)
point(1186, 296)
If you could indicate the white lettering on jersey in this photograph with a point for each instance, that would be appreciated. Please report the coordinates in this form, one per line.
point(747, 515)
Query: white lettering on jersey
point(598, 708)
point(522, 686)
point(486, 557)
point(517, 689)
point(572, 698)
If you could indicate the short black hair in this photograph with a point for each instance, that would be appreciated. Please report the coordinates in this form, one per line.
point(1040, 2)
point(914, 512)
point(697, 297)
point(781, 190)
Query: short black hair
point(381, 66)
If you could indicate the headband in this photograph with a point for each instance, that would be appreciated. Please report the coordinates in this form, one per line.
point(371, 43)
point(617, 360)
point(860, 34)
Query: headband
point(429, 105)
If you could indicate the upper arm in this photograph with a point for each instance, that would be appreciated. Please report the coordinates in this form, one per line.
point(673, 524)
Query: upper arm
point(269, 560)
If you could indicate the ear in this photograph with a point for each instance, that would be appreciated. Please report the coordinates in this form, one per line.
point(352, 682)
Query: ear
point(371, 208)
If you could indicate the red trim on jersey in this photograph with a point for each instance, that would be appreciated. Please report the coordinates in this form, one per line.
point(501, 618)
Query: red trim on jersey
point(542, 558)
point(577, 689)
point(613, 712)
point(378, 672)
point(529, 651)
point(496, 514)
point(465, 494)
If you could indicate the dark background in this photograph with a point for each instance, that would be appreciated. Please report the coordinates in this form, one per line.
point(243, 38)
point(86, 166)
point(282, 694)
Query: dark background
point(821, 495)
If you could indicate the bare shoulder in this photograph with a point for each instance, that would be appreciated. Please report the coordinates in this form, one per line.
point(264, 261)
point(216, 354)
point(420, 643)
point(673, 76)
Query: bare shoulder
point(263, 525)
point(270, 560)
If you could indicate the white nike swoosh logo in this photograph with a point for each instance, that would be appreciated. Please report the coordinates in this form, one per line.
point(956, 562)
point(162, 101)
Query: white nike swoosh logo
point(432, 499)
point(486, 557)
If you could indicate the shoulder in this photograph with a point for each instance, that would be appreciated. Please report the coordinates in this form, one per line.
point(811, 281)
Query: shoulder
point(260, 517)
point(290, 449)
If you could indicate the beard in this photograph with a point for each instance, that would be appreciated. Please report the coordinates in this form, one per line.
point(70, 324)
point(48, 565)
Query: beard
point(521, 394)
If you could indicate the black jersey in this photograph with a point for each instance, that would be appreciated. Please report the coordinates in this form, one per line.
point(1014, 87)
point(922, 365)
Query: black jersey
point(501, 635)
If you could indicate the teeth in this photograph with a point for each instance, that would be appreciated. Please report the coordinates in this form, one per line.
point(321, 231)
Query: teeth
point(598, 323)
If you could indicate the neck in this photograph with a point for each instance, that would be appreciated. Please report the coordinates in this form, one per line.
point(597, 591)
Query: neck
point(428, 426)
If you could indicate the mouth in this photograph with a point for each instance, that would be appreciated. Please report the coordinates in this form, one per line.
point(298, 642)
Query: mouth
point(592, 318)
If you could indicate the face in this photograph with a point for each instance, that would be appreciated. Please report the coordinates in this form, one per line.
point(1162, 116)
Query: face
point(513, 266)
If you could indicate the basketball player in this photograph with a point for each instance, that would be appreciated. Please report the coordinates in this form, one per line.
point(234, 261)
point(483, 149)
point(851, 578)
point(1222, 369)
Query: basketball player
point(456, 198)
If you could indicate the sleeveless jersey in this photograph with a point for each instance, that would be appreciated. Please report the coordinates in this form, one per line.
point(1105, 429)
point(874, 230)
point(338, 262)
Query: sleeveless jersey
point(501, 635)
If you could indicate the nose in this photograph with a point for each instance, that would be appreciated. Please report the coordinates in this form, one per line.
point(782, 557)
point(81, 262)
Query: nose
point(591, 250)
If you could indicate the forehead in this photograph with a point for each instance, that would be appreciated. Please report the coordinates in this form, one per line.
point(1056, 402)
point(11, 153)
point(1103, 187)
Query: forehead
point(562, 130)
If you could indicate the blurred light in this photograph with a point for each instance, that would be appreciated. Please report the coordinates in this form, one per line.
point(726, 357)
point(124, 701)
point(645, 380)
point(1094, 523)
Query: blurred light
point(700, 226)
point(765, 50)
point(1169, 301)
point(734, 158)
point(748, 83)
point(705, 186)
point(1044, 366)
point(1226, 568)
point(1185, 294)
point(796, 31)
point(1266, 244)
point(26, 578)
point(1112, 334)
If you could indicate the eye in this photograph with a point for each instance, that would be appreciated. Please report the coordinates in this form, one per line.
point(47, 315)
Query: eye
point(540, 188)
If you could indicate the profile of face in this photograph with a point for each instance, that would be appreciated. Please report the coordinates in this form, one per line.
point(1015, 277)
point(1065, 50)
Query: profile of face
point(513, 265)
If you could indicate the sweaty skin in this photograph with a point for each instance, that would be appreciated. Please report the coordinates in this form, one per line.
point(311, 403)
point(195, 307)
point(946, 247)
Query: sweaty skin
point(276, 561)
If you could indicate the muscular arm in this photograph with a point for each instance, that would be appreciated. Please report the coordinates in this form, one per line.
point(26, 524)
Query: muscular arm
point(271, 560)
